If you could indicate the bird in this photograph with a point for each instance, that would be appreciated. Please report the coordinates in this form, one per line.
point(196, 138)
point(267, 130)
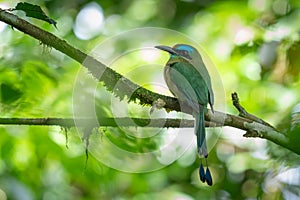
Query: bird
point(188, 80)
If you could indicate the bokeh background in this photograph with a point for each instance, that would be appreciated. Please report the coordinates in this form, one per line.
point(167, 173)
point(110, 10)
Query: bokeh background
point(254, 45)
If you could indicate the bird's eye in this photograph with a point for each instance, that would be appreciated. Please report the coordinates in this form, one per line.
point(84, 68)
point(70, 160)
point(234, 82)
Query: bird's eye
point(184, 53)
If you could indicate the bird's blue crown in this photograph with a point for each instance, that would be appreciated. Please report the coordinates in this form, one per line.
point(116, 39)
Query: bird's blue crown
point(184, 47)
point(183, 50)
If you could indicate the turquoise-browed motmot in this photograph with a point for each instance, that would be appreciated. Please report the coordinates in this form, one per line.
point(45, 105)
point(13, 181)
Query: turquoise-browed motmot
point(188, 79)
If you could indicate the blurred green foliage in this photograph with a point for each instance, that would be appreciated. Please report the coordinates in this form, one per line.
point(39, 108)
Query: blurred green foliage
point(255, 47)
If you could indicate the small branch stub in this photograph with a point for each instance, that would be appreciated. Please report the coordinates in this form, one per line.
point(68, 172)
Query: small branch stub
point(244, 113)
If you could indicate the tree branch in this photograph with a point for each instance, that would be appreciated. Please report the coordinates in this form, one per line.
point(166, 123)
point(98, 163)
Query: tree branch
point(110, 78)
point(103, 122)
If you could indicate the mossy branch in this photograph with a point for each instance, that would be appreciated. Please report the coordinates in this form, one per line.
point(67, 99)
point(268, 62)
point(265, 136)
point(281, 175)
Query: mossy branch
point(110, 78)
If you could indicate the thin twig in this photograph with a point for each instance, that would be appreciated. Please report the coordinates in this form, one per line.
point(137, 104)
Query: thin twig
point(244, 113)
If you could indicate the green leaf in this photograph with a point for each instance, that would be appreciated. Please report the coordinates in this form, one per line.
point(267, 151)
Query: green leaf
point(34, 11)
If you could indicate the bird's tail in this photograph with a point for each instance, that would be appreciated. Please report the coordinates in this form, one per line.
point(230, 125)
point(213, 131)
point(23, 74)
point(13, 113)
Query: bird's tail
point(205, 176)
point(200, 133)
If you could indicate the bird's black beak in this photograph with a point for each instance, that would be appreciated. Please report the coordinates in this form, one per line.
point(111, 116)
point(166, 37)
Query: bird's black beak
point(167, 49)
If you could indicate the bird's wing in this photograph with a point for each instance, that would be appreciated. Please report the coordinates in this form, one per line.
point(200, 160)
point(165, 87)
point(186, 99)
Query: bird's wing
point(200, 66)
point(188, 85)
